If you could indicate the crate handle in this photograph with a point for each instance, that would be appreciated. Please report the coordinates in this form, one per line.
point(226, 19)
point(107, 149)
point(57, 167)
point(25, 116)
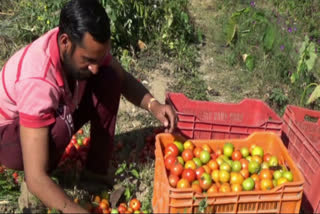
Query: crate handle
point(313, 119)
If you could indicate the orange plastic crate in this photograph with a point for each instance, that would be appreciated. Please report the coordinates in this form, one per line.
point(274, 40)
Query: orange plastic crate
point(212, 120)
point(301, 133)
point(282, 199)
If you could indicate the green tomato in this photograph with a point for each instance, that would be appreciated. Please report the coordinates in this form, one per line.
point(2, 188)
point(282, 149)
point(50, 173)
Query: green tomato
point(244, 152)
point(236, 166)
point(205, 156)
point(180, 160)
point(197, 161)
point(277, 174)
point(288, 175)
point(254, 167)
point(179, 145)
point(228, 149)
point(257, 151)
point(248, 184)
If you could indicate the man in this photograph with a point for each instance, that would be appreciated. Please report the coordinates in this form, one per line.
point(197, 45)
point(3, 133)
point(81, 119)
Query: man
point(52, 87)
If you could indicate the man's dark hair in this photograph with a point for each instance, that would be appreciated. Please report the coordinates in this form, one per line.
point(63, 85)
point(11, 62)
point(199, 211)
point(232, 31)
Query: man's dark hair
point(80, 16)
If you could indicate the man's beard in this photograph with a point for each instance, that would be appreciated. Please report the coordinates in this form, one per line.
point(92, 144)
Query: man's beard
point(72, 71)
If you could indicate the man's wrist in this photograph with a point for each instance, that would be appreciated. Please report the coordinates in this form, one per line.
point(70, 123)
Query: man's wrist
point(152, 100)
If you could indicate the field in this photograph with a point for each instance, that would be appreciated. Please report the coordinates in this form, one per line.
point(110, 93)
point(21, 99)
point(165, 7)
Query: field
point(215, 50)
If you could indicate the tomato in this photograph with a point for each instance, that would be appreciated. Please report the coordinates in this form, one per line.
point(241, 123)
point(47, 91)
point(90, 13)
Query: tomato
point(215, 175)
point(172, 149)
point(80, 131)
point(196, 187)
point(79, 141)
point(189, 175)
point(204, 156)
point(225, 188)
point(266, 184)
point(213, 165)
point(196, 152)
point(282, 180)
point(252, 146)
point(97, 199)
point(257, 185)
point(257, 158)
point(218, 152)
point(267, 157)
point(236, 188)
point(207, 169)
point(248, 184)
point(183, 184)
point(207, 148)
point(135, 204)
point(236, 178)
point(173, 180)
point(190, 165)
point(205, 181)
point(188, 145)
point(265, 174)
point(176, 169)
point(255, 177)
point(122, 209)
point(236, 155)
point(244, 173)
point(187, 154)
point(86, 141)
point(15, 175)
point(213, 189)
point(103, 205)
point(170, 161)
point(224, 176)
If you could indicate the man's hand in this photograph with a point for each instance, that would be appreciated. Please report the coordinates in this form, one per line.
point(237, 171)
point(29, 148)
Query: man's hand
point(165, 114)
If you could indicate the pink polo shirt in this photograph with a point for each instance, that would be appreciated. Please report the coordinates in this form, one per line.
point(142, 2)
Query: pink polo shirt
point(32, 84)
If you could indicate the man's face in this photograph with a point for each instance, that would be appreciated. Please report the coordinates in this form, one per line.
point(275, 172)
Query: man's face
point(81, 61)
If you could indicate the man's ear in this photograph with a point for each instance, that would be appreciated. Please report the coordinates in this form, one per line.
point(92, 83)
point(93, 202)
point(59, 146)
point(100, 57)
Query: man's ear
point(64, 42)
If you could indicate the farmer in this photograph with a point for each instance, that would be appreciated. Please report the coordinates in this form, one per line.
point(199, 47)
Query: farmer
point(52, 87)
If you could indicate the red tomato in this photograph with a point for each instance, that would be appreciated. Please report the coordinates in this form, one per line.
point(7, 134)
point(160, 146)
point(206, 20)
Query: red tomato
point(135, 204)
point(244, 163)
point(189, 175)
point(199, 172)
point(173, 180)
point(15, 175)
point(196, 187)
point(213, 165)
point(267, 157)
point(196, 152)
point(80, 132)
point(177, 169)
point(187, 154)
point(170, 161)
point(122, 209)
point(86, 141)
point(172, 149)
point(236, 155)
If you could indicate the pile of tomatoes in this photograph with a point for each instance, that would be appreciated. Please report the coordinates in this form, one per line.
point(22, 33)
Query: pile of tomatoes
point(102, 205)
point(15, 174)
point(77, 150)
point(224, 170)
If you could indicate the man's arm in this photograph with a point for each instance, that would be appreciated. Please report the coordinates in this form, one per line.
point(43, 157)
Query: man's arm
point(35, 145)
point(137, 94)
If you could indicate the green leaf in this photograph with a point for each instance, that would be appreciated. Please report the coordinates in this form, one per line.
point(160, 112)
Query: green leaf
point(250, 62)
point(119, 171)
point(314, 95)
point(135, 173)
point(230, 31)
point(127, 194)
point(312, 56)
point(294, 77)
point(269, 38)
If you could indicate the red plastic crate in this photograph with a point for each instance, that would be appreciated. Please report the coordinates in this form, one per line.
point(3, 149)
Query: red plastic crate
point(301, 129)
point(212, 120)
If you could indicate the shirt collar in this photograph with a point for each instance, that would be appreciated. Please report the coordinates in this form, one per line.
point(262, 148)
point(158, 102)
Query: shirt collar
point(55, 56)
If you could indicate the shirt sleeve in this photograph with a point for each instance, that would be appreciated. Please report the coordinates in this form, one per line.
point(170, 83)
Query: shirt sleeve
point(37, 101)
point(107, 60)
